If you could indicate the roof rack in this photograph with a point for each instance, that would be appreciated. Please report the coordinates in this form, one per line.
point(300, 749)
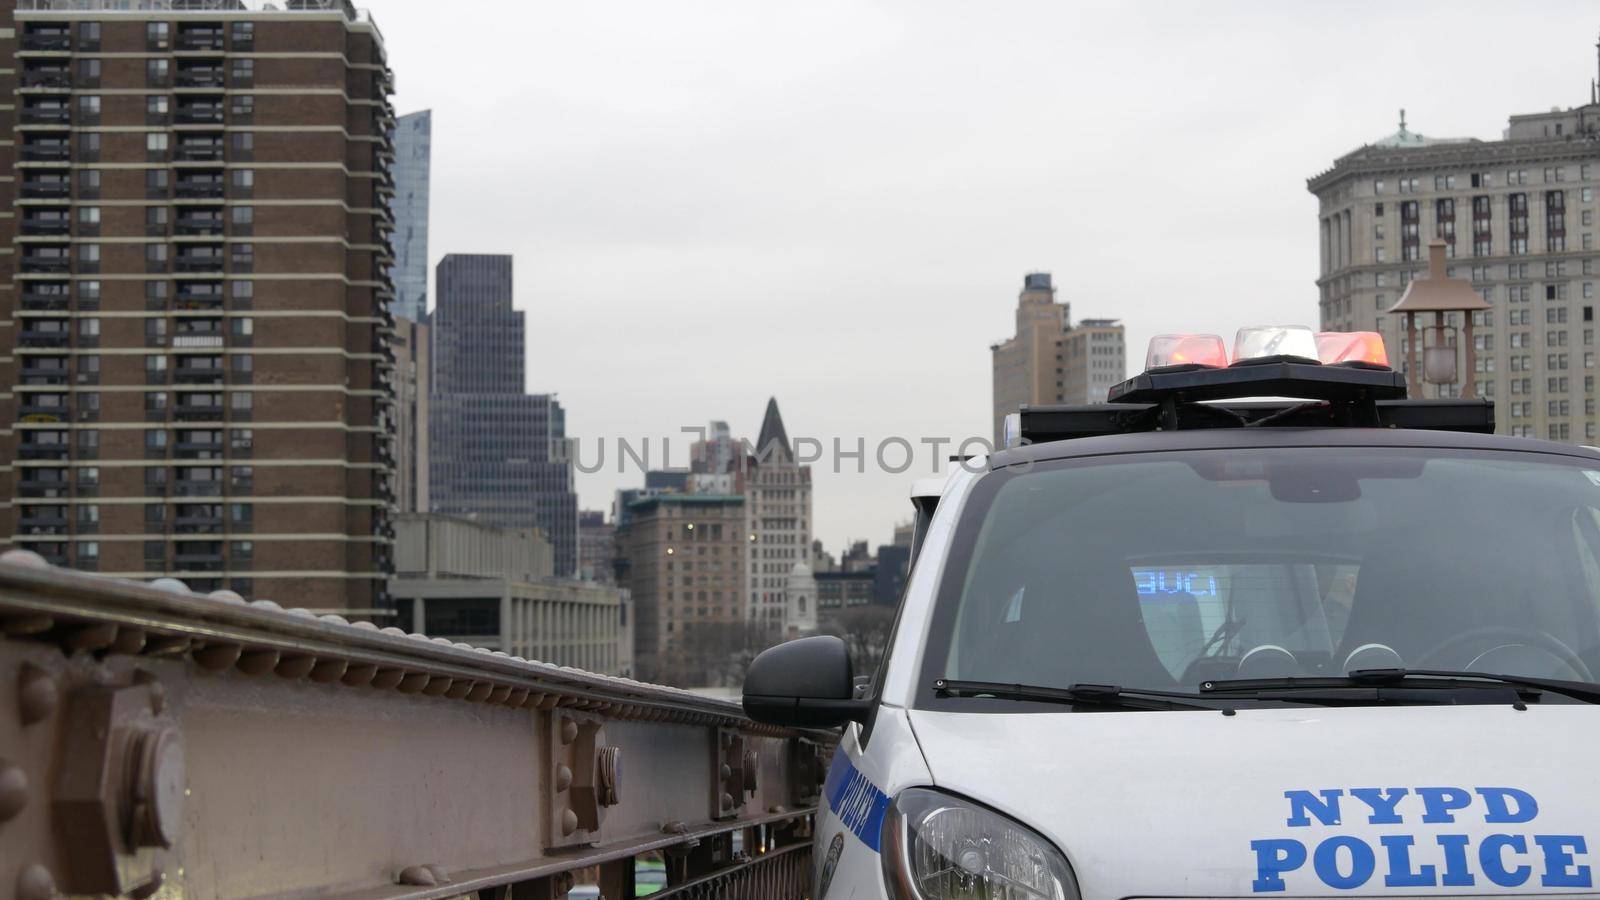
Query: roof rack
point(1280, 391)
point(1275, 376)
point(1041, 424)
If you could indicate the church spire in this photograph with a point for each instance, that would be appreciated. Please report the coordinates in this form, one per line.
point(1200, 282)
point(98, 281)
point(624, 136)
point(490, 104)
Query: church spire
point(772, 431)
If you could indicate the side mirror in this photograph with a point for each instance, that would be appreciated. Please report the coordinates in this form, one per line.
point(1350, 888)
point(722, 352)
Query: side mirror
point(805, 683)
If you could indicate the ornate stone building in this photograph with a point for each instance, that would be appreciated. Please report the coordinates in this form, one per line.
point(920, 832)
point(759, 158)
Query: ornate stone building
point(1517, 216)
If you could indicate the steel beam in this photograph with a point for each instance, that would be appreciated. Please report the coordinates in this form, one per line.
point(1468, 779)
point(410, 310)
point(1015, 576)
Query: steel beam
point(164, 742)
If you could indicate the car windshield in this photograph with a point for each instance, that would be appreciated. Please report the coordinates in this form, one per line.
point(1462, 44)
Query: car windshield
point(1168, 570)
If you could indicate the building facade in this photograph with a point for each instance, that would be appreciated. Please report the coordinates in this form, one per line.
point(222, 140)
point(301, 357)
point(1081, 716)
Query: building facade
point(1049, 360)
point(778, 513)
point(596, 541)
point(410, 386)
point(413, 151)
point(717, 453)
point(844, 590)
point(493, 587)
point(1517, 216)
point(495, 453)
point(197, 327)
point(800, 591)
point(1093, 357)
point(681, 558)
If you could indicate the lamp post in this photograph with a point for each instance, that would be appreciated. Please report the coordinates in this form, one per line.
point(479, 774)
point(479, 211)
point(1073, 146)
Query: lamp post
point(1439, 294)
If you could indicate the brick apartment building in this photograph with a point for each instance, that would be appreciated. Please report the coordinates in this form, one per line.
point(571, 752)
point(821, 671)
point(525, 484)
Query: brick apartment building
point(195, 339)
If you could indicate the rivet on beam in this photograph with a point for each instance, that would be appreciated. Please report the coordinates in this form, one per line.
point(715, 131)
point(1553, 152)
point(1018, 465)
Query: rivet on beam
point(37, 694)
point(13, 791)
point(216, 657)
point(258, 662)
point(295, 666)
point(327, 671)
point(35, 883)
point(129, 641)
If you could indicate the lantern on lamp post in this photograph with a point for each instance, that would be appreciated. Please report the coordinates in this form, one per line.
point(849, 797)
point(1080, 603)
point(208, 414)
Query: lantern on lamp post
point(1439, 294)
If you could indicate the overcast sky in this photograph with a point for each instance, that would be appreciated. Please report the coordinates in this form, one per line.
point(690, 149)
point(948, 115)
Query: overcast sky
point(834, 203)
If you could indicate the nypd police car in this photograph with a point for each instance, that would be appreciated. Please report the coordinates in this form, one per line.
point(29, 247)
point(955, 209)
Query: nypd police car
point(1189, 644)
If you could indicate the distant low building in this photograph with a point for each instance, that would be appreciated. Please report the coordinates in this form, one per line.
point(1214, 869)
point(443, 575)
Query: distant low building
point(493, 587)
point(856, 558)
point(822, 560)
point(667, 480)
point(889, 574)
point(844, 590)
point(904, 533)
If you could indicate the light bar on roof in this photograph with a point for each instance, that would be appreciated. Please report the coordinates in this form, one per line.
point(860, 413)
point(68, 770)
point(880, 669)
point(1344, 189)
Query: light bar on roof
point(1268, 341)
point(1344, 347)
point(1186, 350)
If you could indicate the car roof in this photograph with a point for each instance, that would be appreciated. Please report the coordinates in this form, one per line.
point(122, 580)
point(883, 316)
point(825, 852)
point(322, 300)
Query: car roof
point(1243, 438)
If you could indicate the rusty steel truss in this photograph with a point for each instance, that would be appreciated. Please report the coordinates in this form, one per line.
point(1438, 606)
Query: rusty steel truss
point(155, 742)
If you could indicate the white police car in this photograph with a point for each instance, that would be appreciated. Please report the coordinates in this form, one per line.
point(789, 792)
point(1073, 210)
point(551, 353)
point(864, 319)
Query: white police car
point(1189, 646)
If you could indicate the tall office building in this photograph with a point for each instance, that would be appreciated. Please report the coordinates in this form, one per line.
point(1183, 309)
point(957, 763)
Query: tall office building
point(196, 331)
point(778, 512)
point(1049, 360)
point(413, 151)
point(495, 454)
point(1517, 216)
point(413, 147)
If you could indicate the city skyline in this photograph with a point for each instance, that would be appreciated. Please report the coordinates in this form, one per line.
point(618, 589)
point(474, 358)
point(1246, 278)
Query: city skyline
point(883, 194)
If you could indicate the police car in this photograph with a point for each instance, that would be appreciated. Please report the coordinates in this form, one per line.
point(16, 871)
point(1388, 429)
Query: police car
point(1189, 644)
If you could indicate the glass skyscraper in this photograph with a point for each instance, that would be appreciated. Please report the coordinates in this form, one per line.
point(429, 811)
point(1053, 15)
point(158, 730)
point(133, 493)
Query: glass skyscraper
point(413, 148)
point(497, 454)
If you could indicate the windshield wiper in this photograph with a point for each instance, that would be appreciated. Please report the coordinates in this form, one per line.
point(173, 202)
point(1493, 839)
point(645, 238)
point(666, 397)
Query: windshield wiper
point(1374, 680)
point(1108, 695)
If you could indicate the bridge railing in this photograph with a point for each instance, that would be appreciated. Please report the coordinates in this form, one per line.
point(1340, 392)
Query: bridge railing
point(156, 742)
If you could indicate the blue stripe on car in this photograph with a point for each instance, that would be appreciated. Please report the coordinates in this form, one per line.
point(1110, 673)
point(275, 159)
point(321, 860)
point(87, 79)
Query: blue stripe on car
point(855, 799)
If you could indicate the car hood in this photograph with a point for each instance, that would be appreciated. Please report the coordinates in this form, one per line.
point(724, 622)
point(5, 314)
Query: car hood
point(1276, 801)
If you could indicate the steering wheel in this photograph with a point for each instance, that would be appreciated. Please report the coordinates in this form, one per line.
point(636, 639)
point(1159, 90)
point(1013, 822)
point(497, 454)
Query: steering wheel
point(1531, 637)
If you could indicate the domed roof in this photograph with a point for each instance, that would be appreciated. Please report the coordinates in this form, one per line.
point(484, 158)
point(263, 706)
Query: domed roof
point(800, 569)
point(1407, 138)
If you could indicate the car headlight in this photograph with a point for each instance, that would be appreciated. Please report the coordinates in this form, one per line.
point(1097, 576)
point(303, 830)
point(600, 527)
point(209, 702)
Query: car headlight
point(937, 846)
